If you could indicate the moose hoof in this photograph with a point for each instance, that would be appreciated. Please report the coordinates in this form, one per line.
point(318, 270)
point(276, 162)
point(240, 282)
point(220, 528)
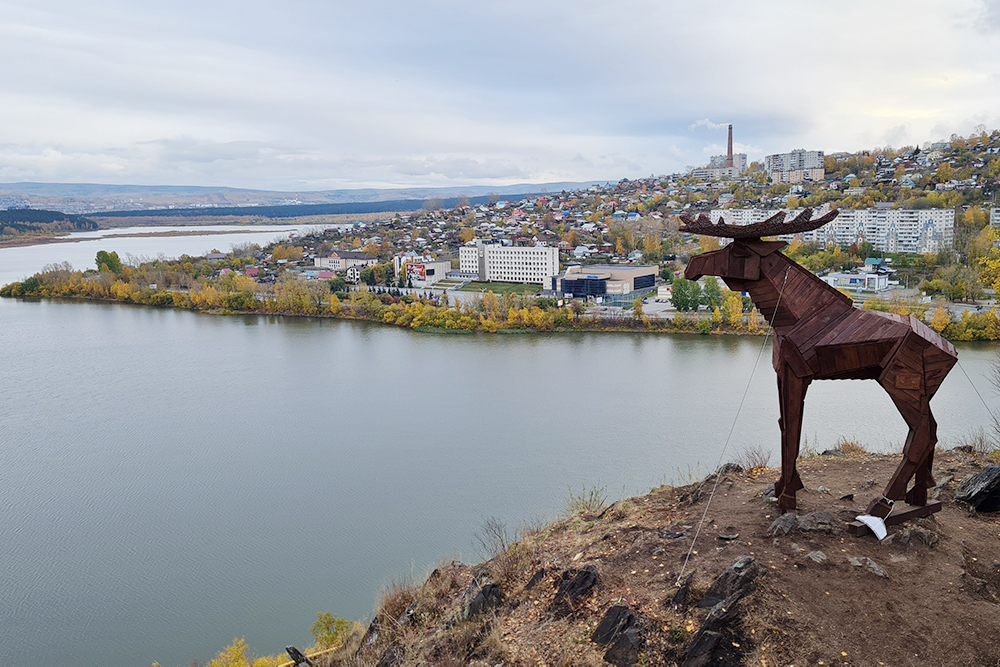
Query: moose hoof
point(879, 507)
point(786, 502)
point(917, 496)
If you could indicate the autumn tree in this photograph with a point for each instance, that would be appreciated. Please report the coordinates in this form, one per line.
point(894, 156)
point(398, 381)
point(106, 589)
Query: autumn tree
point(940, 319)
point(108, 261)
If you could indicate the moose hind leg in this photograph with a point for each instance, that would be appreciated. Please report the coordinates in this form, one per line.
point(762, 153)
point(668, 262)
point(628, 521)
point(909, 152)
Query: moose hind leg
point(917, 453)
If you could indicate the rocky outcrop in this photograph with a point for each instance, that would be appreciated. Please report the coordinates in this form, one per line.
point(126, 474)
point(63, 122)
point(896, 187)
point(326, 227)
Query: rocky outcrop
point(982, 491)
point(573, 587)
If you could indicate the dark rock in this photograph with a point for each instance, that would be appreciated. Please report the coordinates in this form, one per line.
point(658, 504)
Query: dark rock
point(670, 534)
point(782, 524)
point(849, 496)
point(407, 615)
point(486, 598)
point(681, 596)
point(371, 634)
point(298, 657)
point(625, 651)
point(832, 452)
point(393, 656)
point(968, 449)
point(729, 468)
point(700, 651)
point(617, 619)
point(535, 578)
point(707, 643)
point(768, 492)
point(734, 581)
point(574, 585)
point(822, 521)
point(982, 491)
point(729, 538)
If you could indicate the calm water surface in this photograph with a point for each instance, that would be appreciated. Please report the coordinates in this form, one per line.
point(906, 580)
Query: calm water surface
point(171, 480)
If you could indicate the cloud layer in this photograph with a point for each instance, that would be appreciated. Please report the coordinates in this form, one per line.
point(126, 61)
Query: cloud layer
point(314, 95)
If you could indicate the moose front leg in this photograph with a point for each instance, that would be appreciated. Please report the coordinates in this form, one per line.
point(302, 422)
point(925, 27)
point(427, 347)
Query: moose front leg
point(791, 399)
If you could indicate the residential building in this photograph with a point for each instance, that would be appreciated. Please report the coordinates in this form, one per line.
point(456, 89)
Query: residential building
point(888, 229)
point(798, 175)
point(794, 167)
point(740, 162)
point(513, 264)
point(341, 260)
point(797, 159)
point(995, 217)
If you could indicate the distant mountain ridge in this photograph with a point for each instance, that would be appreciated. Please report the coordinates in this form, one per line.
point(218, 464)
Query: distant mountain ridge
point(95, 197)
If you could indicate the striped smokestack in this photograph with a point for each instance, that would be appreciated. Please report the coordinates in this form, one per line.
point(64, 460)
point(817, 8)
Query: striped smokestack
point(729, 154)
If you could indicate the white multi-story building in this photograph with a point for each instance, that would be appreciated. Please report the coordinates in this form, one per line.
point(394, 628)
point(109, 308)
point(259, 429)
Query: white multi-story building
point(795, 167)
point(797, 159)
point(511, 264)
point(740, 163)
point(995, 217)
point(888, 229)
point(716, 173)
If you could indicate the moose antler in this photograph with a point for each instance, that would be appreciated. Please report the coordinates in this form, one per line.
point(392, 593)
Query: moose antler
point(773, 226)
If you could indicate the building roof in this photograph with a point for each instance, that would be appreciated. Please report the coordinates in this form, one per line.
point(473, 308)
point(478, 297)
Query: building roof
point(347, 254)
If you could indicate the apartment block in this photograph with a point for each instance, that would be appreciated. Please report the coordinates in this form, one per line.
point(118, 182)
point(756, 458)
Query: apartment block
point(511, 264)
point(888, 229)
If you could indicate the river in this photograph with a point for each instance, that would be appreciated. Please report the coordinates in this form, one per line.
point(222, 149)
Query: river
point(171, 480)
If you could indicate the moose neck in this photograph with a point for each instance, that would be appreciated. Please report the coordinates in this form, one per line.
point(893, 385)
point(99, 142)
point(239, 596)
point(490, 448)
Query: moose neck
point(786, 293)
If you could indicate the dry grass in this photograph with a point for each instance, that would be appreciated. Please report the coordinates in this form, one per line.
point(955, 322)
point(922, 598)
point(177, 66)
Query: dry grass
point(754, 459)
point(979, 442)
point(393, 600)
point(591, 500)
point(851, 448)
point(509, 558)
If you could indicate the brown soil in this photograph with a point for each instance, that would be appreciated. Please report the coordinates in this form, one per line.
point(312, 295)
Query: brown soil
point(940, 604)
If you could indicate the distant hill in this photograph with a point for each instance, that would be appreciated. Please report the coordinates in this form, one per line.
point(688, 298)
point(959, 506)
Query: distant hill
point(18, 223)
point(91, 197)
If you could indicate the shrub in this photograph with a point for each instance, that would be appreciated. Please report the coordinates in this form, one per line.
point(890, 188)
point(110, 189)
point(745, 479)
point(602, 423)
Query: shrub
point(754, 458)
point(589, 501)
point(330, 631)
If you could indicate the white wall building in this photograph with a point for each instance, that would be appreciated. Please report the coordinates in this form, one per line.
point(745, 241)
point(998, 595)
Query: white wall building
point(511, 264)
point(740, 163)
point(341, 260)
point(888, 229)
point(797, 159)
point(995, 217)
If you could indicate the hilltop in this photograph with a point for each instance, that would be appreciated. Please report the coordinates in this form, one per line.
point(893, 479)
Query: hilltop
point(600, 585)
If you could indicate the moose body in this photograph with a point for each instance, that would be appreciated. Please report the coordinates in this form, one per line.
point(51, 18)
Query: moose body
point(820, 335)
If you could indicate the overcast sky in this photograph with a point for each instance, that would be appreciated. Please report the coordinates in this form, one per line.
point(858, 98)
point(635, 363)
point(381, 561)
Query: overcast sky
point(320, 94)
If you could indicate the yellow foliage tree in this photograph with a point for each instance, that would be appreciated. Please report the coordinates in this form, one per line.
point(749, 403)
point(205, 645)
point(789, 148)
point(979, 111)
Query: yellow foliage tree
point(732, 307)
point(940, 319)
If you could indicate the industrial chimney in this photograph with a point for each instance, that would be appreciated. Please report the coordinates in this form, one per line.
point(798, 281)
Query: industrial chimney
point(729, 153)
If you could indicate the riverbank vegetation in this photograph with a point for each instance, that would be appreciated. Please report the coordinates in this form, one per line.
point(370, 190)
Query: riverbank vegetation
point(21, 226)
point(223, 286)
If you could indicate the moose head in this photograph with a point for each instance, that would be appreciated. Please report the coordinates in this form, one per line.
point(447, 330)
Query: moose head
point(739, 262)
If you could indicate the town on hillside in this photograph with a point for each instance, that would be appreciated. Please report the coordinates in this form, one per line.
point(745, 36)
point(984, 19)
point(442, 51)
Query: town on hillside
point(916, 225)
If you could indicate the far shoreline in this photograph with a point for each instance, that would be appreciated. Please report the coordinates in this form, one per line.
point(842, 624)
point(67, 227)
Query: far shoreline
point(45, 240)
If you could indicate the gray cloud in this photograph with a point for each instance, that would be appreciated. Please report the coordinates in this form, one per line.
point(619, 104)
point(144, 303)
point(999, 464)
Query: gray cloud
point(440, 92)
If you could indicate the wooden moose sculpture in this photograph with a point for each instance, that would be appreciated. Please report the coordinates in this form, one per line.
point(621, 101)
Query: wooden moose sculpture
point(820, 335)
